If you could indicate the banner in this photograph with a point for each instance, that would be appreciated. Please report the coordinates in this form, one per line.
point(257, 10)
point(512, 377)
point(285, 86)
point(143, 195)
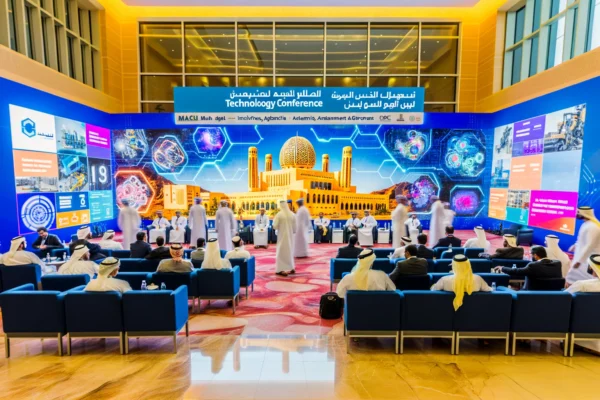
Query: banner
point(298, 106)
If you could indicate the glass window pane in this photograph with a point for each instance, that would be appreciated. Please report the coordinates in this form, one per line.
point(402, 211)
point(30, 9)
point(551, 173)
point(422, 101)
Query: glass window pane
point(11, 23)
point(439, 48)
point(67, 14)
point(574, 32)
point(158, 107)
point(159, 87)
point(556, 6)
point(594, 24)
point(255, 81)
point(210, 48)
point(299, 49)
point(347, 81)
point(516, 66)
point(70, 56)
point(439, 30)
point(83, 69)
point(160, 47)
point(519, 24)
point(556, 42)
point(394, 49)
point(533, 58)
point(45, 26)
point(57, 36)
point(29, 32)
point(255, 48)
point(210, 80)
point(346, 49)
point(299, 81)
point(439, 88)
point(537, 9)
point(446, 108)
point(394, 81)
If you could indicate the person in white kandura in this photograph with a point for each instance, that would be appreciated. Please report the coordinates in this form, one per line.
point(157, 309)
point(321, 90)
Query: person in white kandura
point(365, 233)
point(436, 224)
point(363, 277)
point(106, 281)
point(197, 221)
point(225, 225)
point(129, 222)
point(413, 225)
point(352, 225)
point(79, 263)
point(108, 241)
point(238, 249)
point(178, 225)
point(399, 217)
point(448, 215)
point(555, 253)
point(399, 252)
point(285, 224)
point(17, 255)
point(303, 225)
point(321, 228)
point(158, 227)
point(261, 229)
point(588, 243)
point(212, 256)
point(479, 242)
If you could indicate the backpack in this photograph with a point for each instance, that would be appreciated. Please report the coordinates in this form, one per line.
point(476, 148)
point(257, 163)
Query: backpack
point(331, 306)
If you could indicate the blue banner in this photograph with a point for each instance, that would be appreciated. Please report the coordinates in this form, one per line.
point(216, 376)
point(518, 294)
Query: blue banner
point(71, 201)
point(302, 99)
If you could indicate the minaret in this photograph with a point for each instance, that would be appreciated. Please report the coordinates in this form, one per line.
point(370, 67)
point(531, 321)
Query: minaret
point(325, 163)
point(268, 163)
point(253, 184)
point(346, 172)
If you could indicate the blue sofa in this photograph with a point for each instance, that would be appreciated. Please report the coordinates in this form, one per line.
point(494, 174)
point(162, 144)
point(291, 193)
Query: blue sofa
point(119, 253)
point(383, 252)
point(135, 278)
point(174, 280)
point(473, 252)
point(488, 277)
point(155, 313)
point(247, 271)
point(337, 266)
point(62, 283)
point(585, 318)
point(17, 275)
point(221, 284)
point(413, 282)
point(138, 265)
point(31, 313)
point(451, 252)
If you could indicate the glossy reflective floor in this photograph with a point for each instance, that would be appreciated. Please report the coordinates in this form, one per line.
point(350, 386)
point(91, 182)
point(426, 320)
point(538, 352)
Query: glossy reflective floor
point(294, 367)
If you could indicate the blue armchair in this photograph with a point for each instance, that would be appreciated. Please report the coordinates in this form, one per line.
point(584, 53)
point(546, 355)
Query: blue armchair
point(585, 318)
point(62, 283)
point(473, 252)
point(525, 236)
point(437, 252)
point(174, 280)
point(29, 313)
point(337, 266)
point(135, 278)
point(247, 271)
point(59, 252)
point(413, 282)
point(139, 265)
point(383, 264)
point(484, 315)
point(556, 284)
point(443, 265)
point(452, 251)
point(120, 254)
point(427, 314)
point(489, 278)
point(477, 265)
point(221, 284)
point(155, 313)
point(17, 275)
point(105, 321)
point(383, 252)
point(372, 314)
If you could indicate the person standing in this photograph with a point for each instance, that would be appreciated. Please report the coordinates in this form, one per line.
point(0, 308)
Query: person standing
point(448, 215)
point(225, 225)
point(436, 224)
point(588, 243)
point(302, 227)
point(129, 222)
point(285, 223)
point(45, 242)
point(399, 217)
point(197, 220)
point(321, 228)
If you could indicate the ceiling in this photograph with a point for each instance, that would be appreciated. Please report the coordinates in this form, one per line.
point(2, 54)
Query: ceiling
point(306, 3)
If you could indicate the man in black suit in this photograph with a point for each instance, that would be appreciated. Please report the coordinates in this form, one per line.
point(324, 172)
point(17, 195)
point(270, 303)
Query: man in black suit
point(540, 267)
point(45, 242)
point(83, 235)
point(350, 251)
point(510, 251)
point(422, 250)
point(450, 240)
point(140, 248)
point(411, 266)
point(161, 252)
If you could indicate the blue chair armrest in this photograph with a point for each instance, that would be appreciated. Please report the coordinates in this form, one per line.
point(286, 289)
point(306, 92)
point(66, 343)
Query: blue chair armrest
point(180, 296)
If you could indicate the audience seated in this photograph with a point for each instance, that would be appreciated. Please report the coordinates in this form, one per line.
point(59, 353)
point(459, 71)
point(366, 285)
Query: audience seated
point(450, 240)
point(479, 242)
point(176, 263)
point(510, 251)
point(160, 252)
point(79, 263)
point(45, 242)
point(198, 254)
point(350, 251)
point(411, 266)
point(238, 249)
point(588, 285)
point(540, 267)
point(212, 257)
point(83, 235)
point(399, 252)
point(462, 280)
point(17, 255)
point(108, 241)
point(422, 250)
point(140, 248)
point(363, 277)
point(106, 281)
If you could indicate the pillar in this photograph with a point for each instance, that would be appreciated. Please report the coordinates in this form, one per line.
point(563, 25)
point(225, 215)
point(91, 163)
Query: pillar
point(268, 163)
point(325, 163)
point(253, 184)
point(346, 172)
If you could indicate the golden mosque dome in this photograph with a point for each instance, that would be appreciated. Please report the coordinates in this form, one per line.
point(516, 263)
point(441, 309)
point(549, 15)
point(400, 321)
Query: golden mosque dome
point(297, 152)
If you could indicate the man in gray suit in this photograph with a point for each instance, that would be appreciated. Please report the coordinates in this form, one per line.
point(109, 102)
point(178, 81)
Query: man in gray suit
point(411, 266)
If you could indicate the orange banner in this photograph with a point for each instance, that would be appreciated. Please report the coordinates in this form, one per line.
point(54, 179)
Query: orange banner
point(72, 218)
point(32, 163)
point(498, 199)
point(526, 172)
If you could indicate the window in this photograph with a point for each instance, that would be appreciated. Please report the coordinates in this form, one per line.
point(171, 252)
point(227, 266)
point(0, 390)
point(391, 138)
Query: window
point(11, 25)
point(46, 24)
point(315, 54)
point(29, 32)
point(70, 56)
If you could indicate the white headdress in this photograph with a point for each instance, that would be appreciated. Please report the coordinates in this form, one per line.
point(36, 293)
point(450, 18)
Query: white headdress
point(361, 274)
point(108, 265)
point(109, 234)
point(83, 232)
